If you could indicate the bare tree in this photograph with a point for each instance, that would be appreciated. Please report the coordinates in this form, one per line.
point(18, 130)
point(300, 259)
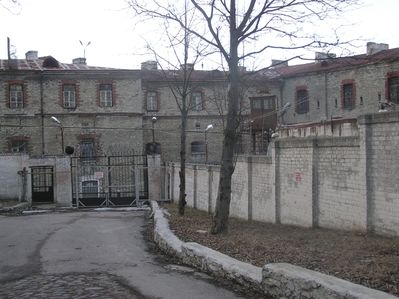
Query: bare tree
point(177, 73)
point(261, 26)
point(13, 6)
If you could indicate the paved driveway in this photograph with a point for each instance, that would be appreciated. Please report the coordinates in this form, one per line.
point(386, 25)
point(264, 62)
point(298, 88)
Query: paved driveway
point(90, 255)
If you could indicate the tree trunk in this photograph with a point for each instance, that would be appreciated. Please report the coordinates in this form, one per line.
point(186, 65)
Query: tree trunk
point(182, 172)
point(220, 219)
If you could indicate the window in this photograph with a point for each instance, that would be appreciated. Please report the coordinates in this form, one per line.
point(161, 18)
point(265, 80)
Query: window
point(198, 147)
point(196, 101)
point(19, 146)
point(87, 151)
point(16, 96)
point(348, 96)
point(69, 95)
point(152, 101)
point(393, 89)
point(263, 103)
point(106, 95)
point(302, 101)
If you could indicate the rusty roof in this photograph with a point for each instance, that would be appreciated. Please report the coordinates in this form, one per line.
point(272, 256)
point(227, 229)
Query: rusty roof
point(39, 65)
point(334, 64)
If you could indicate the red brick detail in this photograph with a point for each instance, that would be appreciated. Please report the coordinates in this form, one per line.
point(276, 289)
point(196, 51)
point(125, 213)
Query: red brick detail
point(114, 93)
point(387, 77)
point(24, 92)
point(88, 136)
point(347, 82)
point(61, 94)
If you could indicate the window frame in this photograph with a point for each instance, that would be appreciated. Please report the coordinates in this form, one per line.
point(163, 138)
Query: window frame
point(198, 144)
point(302, 103)
point(389, 87)
point(16, 97)
point(348, 101)
point(22, 144)
point(106, 95)
point(258, 104)
point(83, 150)
point(69, 96)
point(195, 104)
point(153, 105)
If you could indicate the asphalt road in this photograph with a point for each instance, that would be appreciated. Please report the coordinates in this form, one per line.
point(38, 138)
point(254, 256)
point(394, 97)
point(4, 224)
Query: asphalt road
point(90, 255)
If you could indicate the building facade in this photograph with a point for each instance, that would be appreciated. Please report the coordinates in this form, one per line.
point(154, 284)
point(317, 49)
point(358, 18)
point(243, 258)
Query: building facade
point(47, 105)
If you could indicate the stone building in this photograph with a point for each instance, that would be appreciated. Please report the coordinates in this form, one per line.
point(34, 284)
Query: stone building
point(107, 111)
point(99, 110)
point(331, 89)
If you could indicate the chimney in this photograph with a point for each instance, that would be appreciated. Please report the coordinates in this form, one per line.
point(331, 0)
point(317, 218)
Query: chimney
point(324, 56)
point(373, 48)
point(79, 60)
point(188, 66)
point(149, 65)
point(31, 55)
point(276, 63)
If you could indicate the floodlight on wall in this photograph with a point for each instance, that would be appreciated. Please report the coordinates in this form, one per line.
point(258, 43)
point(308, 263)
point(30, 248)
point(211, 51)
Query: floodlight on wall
point(57, 121)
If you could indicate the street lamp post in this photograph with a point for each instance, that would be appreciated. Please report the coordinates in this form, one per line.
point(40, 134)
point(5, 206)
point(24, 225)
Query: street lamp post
point(206, 142)
point(56, 120)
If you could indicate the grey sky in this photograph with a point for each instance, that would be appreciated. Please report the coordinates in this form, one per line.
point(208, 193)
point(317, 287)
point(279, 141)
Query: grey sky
point(54, 27)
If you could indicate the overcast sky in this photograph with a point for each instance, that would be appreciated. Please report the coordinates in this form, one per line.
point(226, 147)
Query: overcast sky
point(54, 27)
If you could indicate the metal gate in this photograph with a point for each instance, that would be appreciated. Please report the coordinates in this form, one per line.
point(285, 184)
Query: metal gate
point(109, 180)
point(42, 184)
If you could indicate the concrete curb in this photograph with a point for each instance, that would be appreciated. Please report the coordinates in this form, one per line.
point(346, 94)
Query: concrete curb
point(278, 280)
point(19, 207)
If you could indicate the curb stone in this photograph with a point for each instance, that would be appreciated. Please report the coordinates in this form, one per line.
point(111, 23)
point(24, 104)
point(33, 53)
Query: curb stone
point(278, 280)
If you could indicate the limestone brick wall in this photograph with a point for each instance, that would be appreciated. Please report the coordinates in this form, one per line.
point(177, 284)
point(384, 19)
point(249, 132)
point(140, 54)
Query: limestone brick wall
point(202, 199)
point(295, 179)
point(340, 184)
point(239, 189)
point(347, 183)
point(262, 189)
point(380, 142)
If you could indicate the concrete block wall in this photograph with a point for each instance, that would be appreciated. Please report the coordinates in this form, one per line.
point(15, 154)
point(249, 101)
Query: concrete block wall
point(239, 189)
point(348, 183)
point(380, 143)
point(341, 184)
point(262, 188)
point(295, 198)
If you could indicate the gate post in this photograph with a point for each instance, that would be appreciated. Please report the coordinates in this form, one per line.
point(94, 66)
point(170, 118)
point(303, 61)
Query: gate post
point(137, 185)
point(154, 177)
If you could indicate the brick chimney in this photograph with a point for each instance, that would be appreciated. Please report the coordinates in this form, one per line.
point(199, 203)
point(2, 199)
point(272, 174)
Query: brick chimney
point(373, 48)
point(31, 55)
point(149, 65)
point(79, 60)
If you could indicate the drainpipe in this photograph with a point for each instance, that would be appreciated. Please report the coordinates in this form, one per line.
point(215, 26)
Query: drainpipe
point(42, 112)
point(326, 95)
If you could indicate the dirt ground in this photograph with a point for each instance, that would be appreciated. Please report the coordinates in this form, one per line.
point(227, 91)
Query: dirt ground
point(365, 259)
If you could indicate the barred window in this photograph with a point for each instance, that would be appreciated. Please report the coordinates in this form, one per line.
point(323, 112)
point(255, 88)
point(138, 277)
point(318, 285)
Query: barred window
point(302, 101)
point(198, 147)
point(152, 101)
point(393, 89)
point(87, 151)
point(69, 95)
point(196, 101)
point(106, 95)
point(16, 96)
point(348, 96)
point(19, 146)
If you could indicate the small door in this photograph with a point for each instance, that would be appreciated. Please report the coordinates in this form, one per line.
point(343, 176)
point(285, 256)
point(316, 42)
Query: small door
point(42, 184)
